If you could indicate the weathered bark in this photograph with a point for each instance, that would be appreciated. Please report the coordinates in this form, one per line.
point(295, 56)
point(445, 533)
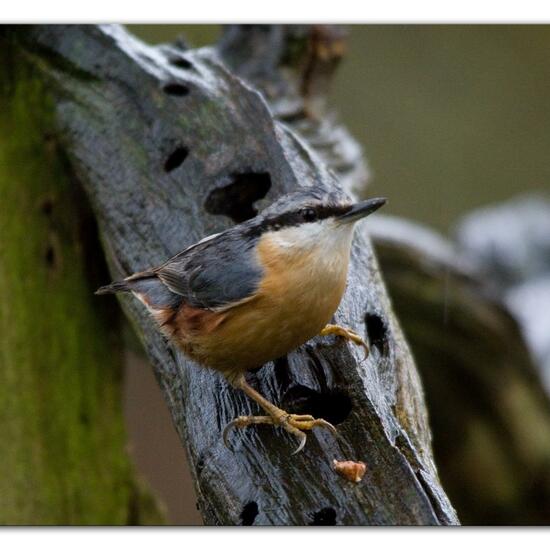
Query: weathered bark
point(170, 147)
point(488, 409)
point(292, 66)
point(63, 458)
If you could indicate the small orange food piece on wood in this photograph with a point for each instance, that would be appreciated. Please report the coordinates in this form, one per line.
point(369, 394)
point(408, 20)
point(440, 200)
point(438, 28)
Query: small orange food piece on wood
point(352, 471)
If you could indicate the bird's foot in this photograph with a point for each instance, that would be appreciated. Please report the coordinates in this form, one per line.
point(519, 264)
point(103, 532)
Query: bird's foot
point(346, 333)
point(296, 424)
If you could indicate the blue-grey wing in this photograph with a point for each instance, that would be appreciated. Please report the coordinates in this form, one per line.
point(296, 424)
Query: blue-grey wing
point(215, 273)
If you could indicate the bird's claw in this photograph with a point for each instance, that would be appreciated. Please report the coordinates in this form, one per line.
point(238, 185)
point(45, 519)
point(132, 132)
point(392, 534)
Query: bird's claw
point(348, 334)
point(358, 341)
point(292, 423)
point(228, 427)
point(315, 423)
point(302, 444)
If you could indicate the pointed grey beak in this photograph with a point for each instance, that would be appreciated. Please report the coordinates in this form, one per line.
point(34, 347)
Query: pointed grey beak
point(360, 210)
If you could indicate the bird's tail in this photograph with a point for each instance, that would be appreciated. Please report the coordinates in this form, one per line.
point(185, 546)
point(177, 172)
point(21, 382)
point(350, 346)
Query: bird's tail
point(118, 286)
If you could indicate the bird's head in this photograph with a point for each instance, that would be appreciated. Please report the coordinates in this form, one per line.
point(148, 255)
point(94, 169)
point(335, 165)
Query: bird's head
point(314, 217)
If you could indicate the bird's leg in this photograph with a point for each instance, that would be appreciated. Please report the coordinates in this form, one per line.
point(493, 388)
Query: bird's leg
point(346, 333)
point(295, 424)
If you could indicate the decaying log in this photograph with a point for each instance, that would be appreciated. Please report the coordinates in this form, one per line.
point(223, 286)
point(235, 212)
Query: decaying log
point(488, 409)
point(170, 146)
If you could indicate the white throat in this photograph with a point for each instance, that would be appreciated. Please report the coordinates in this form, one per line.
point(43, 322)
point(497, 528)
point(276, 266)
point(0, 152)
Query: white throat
point(325, 243)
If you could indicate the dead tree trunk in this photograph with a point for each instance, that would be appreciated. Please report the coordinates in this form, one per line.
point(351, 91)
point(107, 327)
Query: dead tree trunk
point(171, 146)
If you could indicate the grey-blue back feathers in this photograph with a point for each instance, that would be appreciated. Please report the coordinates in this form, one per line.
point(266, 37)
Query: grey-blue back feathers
point(223, 269)
point(213, 273)
point(216, 273)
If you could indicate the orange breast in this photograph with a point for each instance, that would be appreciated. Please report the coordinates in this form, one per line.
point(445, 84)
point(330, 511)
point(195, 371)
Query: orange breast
point(296, 299)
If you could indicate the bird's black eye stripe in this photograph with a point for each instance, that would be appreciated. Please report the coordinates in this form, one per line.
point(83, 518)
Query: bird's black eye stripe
point(325, 211)
point(305, 214)
point(320, 212)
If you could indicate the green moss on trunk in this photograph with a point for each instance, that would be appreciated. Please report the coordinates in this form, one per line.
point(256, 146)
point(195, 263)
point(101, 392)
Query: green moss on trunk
point(62, 436)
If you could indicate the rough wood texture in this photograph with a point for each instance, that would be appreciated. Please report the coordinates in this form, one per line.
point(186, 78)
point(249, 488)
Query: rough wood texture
point(292, 66)
point(488, 408)
point(63, 456)
point(170, 146)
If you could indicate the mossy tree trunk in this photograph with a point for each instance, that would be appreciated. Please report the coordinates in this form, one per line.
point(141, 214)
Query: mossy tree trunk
point(63, 441)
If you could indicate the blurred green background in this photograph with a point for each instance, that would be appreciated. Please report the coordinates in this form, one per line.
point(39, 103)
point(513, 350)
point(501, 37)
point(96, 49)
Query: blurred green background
point(451, 117)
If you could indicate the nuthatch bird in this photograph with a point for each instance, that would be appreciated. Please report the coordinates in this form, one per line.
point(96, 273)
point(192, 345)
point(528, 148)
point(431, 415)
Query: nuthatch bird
point(251, 294)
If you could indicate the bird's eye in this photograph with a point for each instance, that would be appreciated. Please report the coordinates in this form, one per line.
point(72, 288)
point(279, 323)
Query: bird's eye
point(308, 214)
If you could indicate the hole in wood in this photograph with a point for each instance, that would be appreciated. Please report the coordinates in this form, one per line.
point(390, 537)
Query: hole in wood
point(334, 405)
point(377, 333)
point(181, 62)
point(325, 516)
point(249, 513)
point(176, 159)
point(236, 199)
point(176, 89)
point(49, 256)
point(47, 207)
